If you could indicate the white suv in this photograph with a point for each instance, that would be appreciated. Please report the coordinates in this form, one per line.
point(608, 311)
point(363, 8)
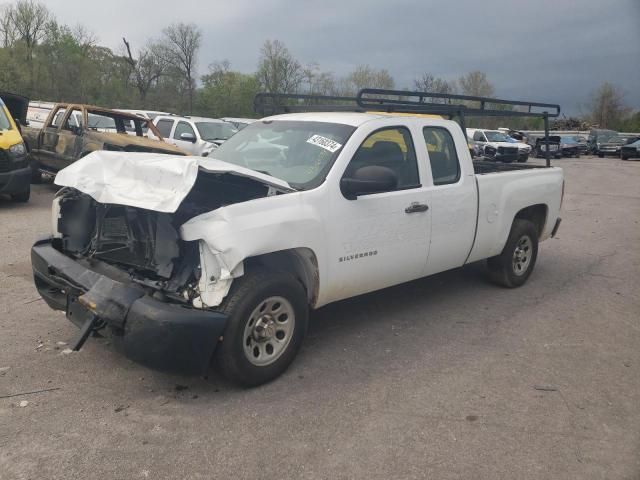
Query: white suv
point(196, 135)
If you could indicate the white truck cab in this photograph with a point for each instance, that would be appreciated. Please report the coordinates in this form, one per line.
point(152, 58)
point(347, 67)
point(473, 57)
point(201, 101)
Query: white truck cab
point(293, 212)
point(196, 135)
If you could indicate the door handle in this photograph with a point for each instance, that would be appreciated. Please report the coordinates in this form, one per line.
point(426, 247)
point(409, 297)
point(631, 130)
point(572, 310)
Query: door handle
point(416, 207)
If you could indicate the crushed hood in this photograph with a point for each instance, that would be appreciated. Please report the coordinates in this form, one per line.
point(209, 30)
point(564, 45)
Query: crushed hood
point(148, 180)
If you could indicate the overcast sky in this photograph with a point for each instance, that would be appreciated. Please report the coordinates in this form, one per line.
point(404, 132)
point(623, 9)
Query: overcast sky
point(544, 50)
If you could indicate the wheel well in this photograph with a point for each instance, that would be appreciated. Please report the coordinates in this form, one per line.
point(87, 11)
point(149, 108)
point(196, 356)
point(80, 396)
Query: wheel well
point(536, 214)
point(301, 262)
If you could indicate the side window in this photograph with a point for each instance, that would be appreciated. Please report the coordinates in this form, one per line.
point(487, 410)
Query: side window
point(183, 127)
point(164, 127)
point(57, 119)
point(478, 137)
point(443, 157)
point(391, 148)
point(74, 121)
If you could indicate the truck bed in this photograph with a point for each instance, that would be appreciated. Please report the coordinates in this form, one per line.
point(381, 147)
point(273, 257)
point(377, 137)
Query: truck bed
point(506, 189)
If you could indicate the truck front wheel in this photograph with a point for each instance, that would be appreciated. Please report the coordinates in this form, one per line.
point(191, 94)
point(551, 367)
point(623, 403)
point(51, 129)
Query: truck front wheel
point(514, 265)
point(267, 321)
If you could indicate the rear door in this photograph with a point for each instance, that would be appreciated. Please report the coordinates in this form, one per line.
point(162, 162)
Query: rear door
point(454, 199)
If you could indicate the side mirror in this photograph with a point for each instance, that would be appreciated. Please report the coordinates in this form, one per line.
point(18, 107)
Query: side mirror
point(188, 137)
point(367, 180)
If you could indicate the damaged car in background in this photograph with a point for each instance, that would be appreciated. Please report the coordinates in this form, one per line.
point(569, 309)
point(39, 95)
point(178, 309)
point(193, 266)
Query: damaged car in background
point(72, 131)
point(189, 259)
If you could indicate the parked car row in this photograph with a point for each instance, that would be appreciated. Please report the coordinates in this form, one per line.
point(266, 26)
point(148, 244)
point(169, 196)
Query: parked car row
point(194, 135)
point(613, 146)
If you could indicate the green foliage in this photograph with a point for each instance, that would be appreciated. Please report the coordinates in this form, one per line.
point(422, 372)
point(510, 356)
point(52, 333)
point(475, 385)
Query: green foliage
point(226, 93)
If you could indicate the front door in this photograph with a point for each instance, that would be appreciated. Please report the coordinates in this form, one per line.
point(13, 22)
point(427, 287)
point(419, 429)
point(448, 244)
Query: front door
point(380, 239)
point(69, 145)
point(186, 145)
point(50, 134)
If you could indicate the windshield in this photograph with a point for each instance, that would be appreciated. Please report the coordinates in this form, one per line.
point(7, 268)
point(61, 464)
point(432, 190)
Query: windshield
point(568, 139)
point(215, 130)
point(300, 153)
point(496, 137)
point(4, 120)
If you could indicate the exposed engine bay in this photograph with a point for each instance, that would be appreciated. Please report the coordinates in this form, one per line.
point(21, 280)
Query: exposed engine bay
point(144, 245)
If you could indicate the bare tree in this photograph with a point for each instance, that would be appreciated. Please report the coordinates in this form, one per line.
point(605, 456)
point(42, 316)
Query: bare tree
point(278, 71)
point(181, 44)
point(476, 84)
point(318, 82)
point(430, 83)
point(365, 76)
point(149, 66)
point(84, 37)
point(607, 107)
point(7, 28)
point(30, 21)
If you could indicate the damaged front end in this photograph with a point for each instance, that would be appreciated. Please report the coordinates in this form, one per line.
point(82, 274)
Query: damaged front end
point(126, 268)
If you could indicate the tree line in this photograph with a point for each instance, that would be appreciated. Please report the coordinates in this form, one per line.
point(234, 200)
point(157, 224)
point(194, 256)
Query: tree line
point(48, 60)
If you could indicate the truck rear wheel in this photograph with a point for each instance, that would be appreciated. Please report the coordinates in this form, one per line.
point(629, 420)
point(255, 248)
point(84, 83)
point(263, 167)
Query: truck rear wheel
point(514, 265)
point(267, 321)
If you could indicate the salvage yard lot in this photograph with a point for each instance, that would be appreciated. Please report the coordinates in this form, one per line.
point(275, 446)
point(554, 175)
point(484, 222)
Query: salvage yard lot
point(445, 377)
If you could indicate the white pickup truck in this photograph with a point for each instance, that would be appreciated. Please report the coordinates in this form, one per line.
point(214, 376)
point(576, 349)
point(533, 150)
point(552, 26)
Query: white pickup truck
point(189, 259)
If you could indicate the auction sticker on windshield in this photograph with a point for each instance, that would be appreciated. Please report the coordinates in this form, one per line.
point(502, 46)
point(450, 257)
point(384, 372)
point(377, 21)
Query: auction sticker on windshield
point(325, 143)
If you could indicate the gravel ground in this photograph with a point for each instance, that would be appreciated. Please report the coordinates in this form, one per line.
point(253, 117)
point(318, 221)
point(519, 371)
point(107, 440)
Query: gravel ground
point(445, 377)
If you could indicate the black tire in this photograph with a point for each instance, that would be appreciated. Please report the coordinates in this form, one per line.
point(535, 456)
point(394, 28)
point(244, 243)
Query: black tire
point(502, 268)
point(247, 293)
point(624, 157)
point(601, 155)
point(22, 197)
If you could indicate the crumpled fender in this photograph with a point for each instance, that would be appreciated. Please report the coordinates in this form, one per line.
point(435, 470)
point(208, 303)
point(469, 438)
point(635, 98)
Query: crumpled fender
point(257, 227)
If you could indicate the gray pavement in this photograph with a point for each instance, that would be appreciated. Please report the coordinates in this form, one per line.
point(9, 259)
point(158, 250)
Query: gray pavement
point(446, 377)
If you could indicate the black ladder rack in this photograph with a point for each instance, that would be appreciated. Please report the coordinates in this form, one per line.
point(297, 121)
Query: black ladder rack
point(399, 101)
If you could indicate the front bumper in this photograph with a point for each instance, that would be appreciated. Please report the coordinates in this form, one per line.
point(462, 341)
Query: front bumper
point(15, 181)
point(160, 335)
point(609, 151)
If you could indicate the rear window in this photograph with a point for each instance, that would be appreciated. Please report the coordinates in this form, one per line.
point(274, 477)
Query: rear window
point(445, 167)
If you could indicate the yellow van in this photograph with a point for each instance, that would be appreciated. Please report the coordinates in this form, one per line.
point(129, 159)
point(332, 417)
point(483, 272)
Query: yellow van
point(15, 173)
